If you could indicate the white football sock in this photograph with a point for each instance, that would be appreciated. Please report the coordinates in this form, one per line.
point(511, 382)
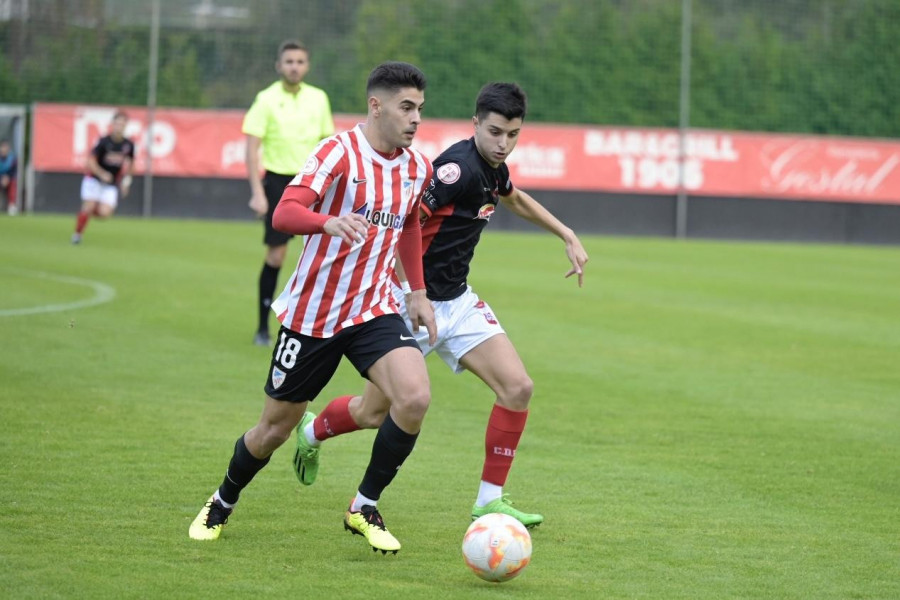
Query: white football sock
point(361, 501)
point(310, 432)
point(216, 496)
point(488, 492)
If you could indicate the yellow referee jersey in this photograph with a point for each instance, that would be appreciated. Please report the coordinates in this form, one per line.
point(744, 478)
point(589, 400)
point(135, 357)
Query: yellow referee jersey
point(289, 125)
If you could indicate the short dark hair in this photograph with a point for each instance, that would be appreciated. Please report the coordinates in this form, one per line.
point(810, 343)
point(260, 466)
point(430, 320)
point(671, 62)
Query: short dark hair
point(120, 114)
point(291, 45)
point(392, 76)
point(507, 99)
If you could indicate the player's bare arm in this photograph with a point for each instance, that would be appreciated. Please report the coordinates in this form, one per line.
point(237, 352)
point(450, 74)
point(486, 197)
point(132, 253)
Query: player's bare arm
point(258, 202)
point(523, 205)
point(421, 313)
point(417, 320)
point(98, 171)
point(125, 183)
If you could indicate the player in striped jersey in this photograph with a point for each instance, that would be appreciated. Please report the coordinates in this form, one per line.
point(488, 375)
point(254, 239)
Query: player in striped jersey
point(356, 201)
point(470, 179)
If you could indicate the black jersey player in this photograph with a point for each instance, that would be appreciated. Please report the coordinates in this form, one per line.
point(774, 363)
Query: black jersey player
point(108, 175)
point(470, 179)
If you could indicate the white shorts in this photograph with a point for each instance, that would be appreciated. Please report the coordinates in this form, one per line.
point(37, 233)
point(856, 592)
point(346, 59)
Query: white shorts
point(462, 324)
point(94, 190)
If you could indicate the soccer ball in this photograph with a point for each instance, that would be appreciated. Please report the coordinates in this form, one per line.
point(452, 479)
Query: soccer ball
point(497, 547)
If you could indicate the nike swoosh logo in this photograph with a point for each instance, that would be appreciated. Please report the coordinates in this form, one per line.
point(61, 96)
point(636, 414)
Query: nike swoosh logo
point(358, 181)
point(404, 338)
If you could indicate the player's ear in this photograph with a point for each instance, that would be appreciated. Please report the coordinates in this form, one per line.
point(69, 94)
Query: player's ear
point(375, 105)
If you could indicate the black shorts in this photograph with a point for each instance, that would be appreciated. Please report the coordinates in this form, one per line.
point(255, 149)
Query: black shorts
point(274, 184)
point(302, 365)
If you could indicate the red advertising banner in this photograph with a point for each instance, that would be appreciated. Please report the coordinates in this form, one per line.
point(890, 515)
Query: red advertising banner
point(209, 143)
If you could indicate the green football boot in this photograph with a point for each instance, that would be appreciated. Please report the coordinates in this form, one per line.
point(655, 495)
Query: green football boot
point(503, 505)
point(306, 457)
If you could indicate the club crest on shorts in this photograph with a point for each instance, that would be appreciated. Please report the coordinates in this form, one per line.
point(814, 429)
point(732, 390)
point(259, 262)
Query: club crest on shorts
point(277, 377)
point(486, 312)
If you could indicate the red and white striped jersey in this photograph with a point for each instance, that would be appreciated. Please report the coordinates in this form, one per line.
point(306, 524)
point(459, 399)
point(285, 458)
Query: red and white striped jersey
point(336, 285)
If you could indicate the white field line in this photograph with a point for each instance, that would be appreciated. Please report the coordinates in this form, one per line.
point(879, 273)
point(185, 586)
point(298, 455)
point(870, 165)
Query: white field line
point(102, 293)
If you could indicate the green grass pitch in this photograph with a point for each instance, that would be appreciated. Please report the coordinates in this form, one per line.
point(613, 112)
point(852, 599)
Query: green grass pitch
point(710, 420)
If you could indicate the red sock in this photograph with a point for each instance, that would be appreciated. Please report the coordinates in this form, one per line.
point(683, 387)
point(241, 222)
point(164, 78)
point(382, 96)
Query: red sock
point(335, 419)
point(83, 217)
point(504, 429)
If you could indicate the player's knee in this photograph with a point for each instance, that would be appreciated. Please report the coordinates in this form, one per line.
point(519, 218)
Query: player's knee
point(414, 403)
point(275, 256)
point(276, 434)
point(277, 437)
point(516, 394)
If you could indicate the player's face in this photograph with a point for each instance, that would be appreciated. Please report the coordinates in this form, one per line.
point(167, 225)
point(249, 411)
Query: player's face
point(118, 127)
point(292, 66)
point(496, 137)
point(399, 116)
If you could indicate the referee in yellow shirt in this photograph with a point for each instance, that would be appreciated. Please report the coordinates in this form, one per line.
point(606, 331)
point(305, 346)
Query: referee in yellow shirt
point(288, 119)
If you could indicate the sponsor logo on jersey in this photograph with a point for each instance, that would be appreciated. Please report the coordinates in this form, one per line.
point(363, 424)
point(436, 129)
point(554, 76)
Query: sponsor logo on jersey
point(381, 219)
point(449, 173)
point(277, 377)
point(485, 212)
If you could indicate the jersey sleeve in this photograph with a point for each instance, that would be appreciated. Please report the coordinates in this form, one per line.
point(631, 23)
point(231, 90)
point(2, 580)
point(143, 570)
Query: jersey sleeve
point(420, 198)
point(293, 215)
point(326, 163)
point(505, 184)
point(449, 182)
point(256, 118)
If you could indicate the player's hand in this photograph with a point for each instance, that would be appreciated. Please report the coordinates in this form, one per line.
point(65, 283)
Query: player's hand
point(125, 185)
point(352, 228)
point(422, 313)
point(106, 177)
point(577, 256)
point(259, 204)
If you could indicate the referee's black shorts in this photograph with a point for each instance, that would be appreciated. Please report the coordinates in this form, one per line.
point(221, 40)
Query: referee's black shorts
point(274, 184)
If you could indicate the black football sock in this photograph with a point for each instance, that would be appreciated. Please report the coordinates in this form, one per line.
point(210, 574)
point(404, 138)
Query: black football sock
point(241, 469)
point(391, 447)
point(268, 279)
